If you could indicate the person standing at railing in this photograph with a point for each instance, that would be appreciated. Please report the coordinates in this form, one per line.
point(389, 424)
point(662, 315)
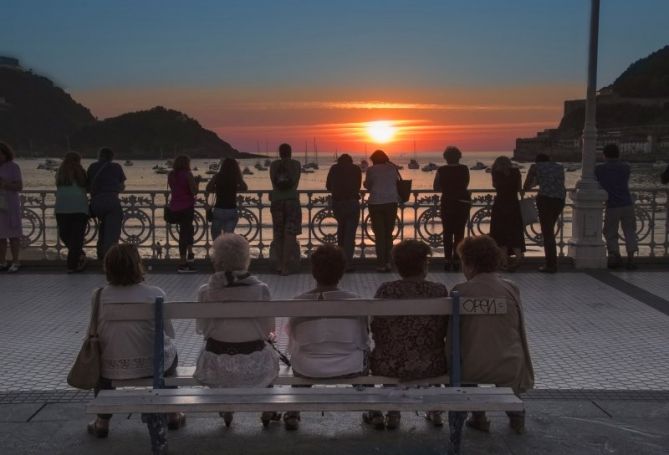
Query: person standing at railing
point(381, 181)
point(343, 181)
point(285, 209)
point(549, 175)
point(452, 181)
point(105, 180)
point(225, 184)
point(183, 189)
point(506, 223)
point(614, 175)
point(10, 209)
point(72, 209)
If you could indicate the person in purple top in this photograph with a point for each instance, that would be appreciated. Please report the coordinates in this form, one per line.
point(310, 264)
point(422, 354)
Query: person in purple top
point(183, 188)
point(10, 208)
point(105, 180)
point(614, 175)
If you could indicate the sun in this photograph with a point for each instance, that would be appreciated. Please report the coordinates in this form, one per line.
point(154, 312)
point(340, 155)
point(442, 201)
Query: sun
point(381, 131)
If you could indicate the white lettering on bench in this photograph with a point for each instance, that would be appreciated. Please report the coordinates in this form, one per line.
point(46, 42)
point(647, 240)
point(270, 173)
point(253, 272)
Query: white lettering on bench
point(482, 306)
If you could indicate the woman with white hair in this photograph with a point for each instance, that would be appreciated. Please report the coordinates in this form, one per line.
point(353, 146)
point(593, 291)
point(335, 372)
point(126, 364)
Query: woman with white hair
point(236, 352)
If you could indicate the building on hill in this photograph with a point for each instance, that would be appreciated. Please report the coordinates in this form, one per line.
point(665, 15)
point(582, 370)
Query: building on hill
point(9, 62)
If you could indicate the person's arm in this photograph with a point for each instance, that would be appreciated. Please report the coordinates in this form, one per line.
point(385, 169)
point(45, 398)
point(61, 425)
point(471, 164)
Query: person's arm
point(466, 177)
point(530, 178)
point(14, 183)
point(436, 185)
point(272, 172)
point(241, 184)
point(519, 181)
point(358, 177)
point(211, 187)
point(122, 179)
point(328, 180)
point(193, 185)
point(298, 169)
point(369, 178)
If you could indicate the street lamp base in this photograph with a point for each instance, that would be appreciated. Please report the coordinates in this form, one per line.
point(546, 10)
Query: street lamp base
point(586, 246)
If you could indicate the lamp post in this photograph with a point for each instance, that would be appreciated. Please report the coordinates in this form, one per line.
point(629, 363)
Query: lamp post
point(586, 246)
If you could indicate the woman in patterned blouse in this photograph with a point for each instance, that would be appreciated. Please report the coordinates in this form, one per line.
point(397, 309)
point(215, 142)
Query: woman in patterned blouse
point(408, 347)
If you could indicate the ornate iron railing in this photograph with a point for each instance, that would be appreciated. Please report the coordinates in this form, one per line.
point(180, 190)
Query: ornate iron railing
point(420, 218)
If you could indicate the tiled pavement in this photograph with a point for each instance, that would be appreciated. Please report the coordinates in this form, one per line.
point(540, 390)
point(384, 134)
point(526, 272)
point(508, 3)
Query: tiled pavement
point(583, 333)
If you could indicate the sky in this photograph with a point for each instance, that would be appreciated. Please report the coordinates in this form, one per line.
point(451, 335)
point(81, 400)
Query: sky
point(472, 73)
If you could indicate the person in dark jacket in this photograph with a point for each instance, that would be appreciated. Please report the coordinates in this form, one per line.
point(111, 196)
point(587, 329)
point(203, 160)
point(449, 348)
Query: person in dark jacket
point(452, 181)
point(343, 181)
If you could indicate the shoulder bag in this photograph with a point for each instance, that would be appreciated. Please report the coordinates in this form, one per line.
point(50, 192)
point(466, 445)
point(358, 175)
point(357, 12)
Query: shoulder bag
point(85, 373)
point(403, 187)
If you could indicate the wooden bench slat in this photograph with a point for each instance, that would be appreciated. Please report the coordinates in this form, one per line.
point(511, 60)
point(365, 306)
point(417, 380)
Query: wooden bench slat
point(250, 400)
point(293, 308)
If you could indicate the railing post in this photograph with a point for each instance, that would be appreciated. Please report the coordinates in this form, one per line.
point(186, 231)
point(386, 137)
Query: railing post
point(158, 344)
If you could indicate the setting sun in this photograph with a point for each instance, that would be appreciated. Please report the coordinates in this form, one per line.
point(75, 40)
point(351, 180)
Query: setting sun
point(381, 131)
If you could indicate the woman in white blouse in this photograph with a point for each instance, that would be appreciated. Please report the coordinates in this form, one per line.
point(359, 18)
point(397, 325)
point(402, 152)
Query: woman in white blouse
point(126, 347)
point(236, 352)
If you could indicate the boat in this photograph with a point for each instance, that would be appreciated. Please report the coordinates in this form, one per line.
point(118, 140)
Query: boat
point(429, 167)
point(213, 169)
point(479, 166)
point(307, 170)
point(247, 171)
point(161, 170)
point(49, 164)
point(195, 168)
point(572, 167)
point(413, 164)
point(364, 165)
point(128, 163)
point(488, 170)
point(260, 167)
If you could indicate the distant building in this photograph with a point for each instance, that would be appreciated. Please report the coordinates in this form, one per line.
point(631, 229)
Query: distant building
point(9, 62)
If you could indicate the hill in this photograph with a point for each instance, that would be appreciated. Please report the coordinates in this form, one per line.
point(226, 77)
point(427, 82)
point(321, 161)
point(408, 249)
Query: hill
point(646, 78)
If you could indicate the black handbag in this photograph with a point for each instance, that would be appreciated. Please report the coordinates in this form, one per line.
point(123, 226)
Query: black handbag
point(403, 188)
point(169, 215)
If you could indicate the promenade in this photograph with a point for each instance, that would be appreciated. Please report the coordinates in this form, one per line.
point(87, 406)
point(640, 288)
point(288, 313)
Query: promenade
point(599, 342)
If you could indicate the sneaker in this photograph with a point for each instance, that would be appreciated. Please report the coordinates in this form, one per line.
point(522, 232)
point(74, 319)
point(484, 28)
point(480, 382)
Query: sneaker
point(393, 420)
point(186, 268)
point(375, 419)
point(291, 420)
point(83, 261)
point(14, 267)
point(614, 261)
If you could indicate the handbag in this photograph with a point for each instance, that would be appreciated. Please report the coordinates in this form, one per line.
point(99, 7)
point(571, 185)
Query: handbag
point(169, 215)
point(3, 201)
point(528, 211)
point(85, 372)
point(403, 188)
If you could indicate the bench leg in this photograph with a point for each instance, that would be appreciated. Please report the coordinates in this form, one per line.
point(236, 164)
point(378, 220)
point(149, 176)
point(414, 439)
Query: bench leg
point(157, 425)
point(456, 421)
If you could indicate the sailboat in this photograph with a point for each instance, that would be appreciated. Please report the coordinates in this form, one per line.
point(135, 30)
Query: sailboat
point(413, 163)
point(306, 167)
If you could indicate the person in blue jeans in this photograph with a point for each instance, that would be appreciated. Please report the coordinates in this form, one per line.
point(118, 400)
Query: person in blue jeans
point(225, 185)
point(105, 180)
point(343, 181)
point(614, 175)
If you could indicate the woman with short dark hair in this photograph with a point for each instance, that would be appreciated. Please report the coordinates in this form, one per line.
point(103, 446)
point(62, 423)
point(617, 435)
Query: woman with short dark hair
point(126, 347)
point(225, 184)
point(506, 221)
point(494, 348)
point(183, 189)
point(381, 181)
point(72, 209)
point(10, 209)
point(408, 347)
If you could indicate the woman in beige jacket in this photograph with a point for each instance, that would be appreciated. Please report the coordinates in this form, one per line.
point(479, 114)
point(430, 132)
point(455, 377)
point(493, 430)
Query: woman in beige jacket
point(494, 348)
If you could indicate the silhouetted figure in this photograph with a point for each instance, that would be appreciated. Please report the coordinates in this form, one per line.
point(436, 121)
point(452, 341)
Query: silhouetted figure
point(452, 181)
point(550, 202)
point(183, 189)
point(506, 224)
point(105, 180)
point(10, 217)
point(225, 185)
point(614, 175)
point(343, 181)
point(72, 209)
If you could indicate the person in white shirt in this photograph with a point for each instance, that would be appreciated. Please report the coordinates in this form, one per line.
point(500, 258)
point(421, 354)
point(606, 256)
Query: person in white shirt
point(126, 347)
point(327, 347)
point(236, 352)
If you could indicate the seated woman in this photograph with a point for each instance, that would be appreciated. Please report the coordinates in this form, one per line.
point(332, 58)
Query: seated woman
point(494, 348)
point(327, 347)
point(126, 347)
point(236, 353)
point(408, 347)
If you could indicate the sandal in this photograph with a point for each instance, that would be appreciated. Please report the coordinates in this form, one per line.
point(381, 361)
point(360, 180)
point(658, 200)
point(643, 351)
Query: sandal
point(374, 418)
point(98, 428)
point(176, 420)
point(269, 416)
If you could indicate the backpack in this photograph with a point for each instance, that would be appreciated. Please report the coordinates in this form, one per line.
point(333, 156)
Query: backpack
point(283, 180)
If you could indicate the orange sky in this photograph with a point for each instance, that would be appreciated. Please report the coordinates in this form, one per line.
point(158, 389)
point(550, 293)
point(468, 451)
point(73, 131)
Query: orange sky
point(475, 118)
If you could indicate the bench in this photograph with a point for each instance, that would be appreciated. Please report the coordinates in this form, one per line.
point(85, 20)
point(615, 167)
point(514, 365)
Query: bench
point(155, 402)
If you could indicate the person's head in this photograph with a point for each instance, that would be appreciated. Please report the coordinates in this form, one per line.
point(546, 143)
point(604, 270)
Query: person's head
point(345, 159)
point(452, 155)
point(502, 164)
point(229, 169)
point(105, 154)
point(123, 265)
point(611, 151)
point(328, 264)
point(6, 153)
point(379, 157)
point(230, 253)
point(70, 170)
point(181, 163)
point(285, 151)
point(411, 258)
point(479, 254)
point(541, 158)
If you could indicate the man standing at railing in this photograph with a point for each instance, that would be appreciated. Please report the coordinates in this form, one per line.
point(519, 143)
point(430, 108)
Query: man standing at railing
point(614, 177)
point(550, 202)
point(343, 181)
point(105, 181)
point(285, 208)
